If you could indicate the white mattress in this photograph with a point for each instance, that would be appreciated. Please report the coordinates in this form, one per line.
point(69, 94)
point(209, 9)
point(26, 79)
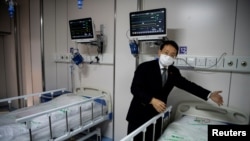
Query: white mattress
point(10, 130)
point(188, 128)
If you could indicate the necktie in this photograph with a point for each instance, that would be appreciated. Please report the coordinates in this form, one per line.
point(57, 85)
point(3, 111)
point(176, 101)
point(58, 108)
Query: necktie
point(164, 76)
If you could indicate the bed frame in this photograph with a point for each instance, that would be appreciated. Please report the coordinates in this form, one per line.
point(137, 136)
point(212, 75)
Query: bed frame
point(206, 110)
point(197, 109)
point(165, 116)
point(93, 94)
point(23, 100)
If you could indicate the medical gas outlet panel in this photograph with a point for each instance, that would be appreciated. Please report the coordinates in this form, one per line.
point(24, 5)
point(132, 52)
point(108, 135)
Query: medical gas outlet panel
point(147, 50)
point(222, 63)
point(104, 59)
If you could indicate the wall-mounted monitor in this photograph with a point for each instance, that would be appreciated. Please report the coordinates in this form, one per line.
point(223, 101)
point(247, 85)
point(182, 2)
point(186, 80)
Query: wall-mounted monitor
point(82, 30)
point(148, 24)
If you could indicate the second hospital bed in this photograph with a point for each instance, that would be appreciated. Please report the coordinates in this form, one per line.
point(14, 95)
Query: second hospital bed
point(191, 121)
point(58, 119)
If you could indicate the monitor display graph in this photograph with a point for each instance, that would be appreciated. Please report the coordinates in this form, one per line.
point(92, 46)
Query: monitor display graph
point(82, 30)
point(148, 24)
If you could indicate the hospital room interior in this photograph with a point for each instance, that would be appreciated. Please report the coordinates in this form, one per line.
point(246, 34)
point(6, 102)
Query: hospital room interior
point(39, 53)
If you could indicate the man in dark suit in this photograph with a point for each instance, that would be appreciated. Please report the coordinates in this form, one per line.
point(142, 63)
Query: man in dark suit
point(150, 94)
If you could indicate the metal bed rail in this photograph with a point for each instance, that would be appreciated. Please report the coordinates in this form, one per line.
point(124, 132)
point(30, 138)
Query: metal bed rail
point(28, 119)
point(83, 126)
point(25, 97)
point(143, 128)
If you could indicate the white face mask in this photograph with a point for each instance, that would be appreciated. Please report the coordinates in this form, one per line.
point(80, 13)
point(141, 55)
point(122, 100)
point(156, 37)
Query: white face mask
point(166, 60)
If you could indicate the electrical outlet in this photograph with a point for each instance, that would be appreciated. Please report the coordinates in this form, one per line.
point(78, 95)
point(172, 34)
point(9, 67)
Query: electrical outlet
point(230, 63)
point(67, 57)
point(63, 58)
point(243, 64)
point(59, 57)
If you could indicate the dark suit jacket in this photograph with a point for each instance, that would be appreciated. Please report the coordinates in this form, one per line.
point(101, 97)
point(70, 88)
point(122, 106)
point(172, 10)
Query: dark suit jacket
point(147, 83)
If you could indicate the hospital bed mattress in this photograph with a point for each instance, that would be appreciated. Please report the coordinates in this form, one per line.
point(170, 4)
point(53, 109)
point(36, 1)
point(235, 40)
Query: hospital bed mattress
point(188, 128)
point(61, 123)
point(191, 122)
point(193, 118)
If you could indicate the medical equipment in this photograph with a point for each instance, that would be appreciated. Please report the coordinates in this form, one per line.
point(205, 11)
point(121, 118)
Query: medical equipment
point(148, 24)
point(58, 119)
point(82, 30)
point(134, 49)
point(76, 56)
point(79, 4)
point(11, 8)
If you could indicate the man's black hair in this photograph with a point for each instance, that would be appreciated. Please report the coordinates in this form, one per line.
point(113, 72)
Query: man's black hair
point(170, 42)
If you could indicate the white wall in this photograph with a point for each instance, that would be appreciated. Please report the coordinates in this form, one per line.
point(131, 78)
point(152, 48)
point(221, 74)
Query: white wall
point(124, 67)
point(239, 87)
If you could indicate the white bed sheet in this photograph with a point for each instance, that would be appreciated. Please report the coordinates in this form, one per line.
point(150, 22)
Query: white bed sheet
point(10, 130)
point(188, 128)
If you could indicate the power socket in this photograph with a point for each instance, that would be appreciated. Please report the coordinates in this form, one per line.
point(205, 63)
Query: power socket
point(230, 62)
point(243, 64)
point(63, 57)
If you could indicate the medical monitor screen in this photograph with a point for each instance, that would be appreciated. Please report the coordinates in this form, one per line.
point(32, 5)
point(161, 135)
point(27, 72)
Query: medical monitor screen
point(148, 24)
point(82, 30)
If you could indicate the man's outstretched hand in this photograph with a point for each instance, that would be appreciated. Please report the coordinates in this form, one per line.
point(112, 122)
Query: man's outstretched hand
point(216, 97)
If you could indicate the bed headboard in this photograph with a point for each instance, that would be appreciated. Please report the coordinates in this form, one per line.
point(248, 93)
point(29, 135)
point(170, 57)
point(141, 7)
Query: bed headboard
point(206, 110)
point(93, 92)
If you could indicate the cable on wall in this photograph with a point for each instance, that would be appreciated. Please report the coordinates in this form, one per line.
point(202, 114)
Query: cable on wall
point(231, 74)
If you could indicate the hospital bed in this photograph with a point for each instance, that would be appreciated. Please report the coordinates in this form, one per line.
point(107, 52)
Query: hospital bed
point(58, 119)
point(190, 122)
